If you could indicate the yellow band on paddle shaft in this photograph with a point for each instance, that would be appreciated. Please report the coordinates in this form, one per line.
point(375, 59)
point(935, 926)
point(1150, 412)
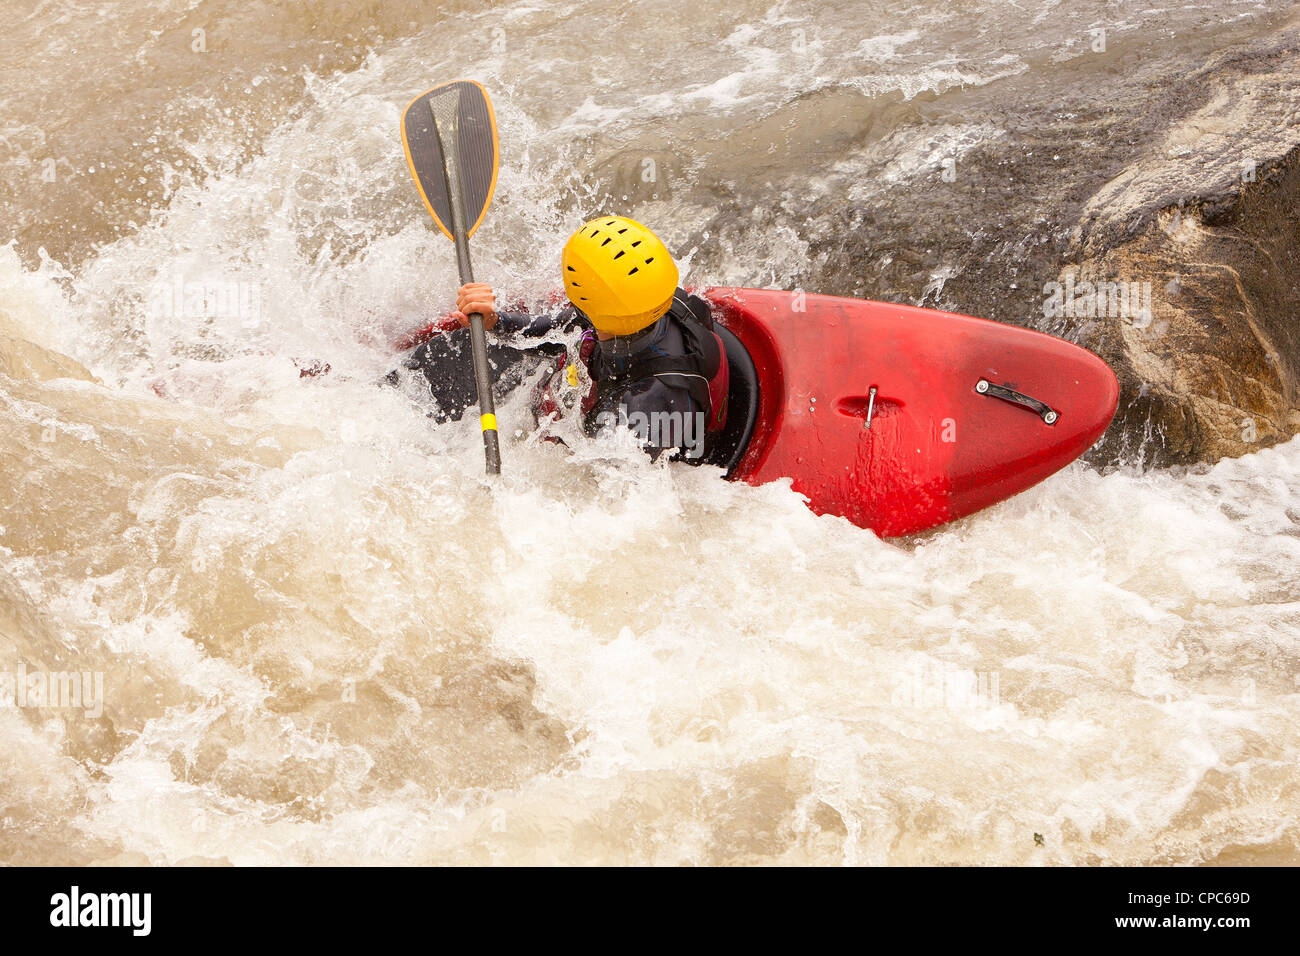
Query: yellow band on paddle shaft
point(488, 422)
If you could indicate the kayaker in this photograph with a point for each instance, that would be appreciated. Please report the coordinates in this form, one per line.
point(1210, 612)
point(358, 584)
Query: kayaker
point(648, 349)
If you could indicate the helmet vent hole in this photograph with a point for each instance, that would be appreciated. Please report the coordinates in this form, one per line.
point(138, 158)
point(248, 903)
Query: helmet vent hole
point(633, 270)
point(571, 269)
point(637, 243)
point(623, 230)
point(650, 260)
point(606, 242)
point(620, 254)
point(575, 285)
point(582, 298)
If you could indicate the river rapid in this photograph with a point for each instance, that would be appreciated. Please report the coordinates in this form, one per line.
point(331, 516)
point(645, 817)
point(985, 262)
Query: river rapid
point(319, 635)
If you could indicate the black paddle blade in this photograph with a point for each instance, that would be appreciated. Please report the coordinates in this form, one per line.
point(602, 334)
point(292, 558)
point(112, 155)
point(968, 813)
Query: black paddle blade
point(466, 123)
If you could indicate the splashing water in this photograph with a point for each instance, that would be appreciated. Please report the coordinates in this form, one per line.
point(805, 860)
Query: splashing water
point(323, 636)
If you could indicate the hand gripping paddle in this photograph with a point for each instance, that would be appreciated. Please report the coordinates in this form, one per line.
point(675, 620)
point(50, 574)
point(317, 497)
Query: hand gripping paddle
point(450, 137)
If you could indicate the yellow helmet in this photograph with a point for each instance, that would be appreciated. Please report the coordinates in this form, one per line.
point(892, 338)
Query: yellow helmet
point(619, 274)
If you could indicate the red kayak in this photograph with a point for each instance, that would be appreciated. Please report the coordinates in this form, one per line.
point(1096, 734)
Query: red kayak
point(900, 418)
point(894, 417)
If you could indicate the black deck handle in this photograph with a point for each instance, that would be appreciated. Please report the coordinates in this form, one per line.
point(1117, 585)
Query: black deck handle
point(1049, 415)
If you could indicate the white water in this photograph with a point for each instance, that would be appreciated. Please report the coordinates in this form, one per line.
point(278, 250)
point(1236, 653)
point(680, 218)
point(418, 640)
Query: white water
point(325, 637)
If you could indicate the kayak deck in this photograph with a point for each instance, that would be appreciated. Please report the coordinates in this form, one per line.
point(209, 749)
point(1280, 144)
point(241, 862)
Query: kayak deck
point(900, 418)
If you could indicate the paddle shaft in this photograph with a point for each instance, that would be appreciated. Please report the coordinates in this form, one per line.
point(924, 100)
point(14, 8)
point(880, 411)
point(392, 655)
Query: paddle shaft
point(477, 337)
point(482, 374)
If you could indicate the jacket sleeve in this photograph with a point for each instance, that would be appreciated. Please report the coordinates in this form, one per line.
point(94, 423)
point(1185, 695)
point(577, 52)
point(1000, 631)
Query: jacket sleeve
point(536, 326)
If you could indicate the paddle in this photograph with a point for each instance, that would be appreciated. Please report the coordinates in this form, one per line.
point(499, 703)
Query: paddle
point(450, 137)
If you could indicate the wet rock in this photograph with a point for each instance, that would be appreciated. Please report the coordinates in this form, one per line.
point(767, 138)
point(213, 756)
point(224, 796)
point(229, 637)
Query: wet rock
point(1211, 223)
